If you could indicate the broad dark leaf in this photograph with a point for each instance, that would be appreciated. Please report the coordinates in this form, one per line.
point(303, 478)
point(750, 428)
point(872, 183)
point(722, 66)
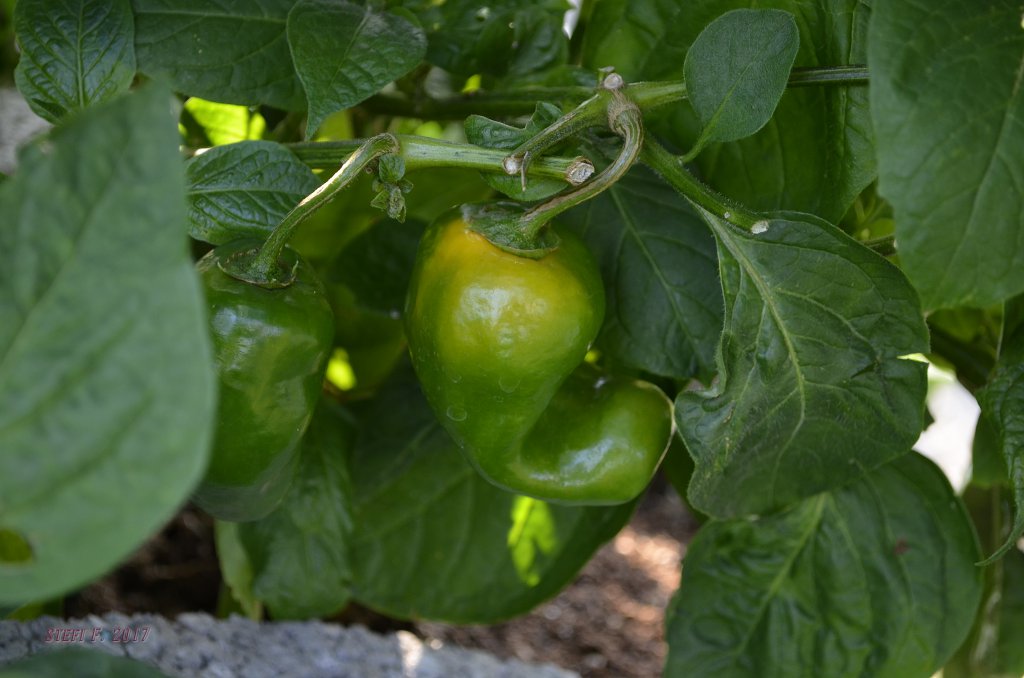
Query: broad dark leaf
point(433, 540)
point(80, 663)
point(815, 155)
point(492, 134)
point(243, 190)
point(377, 264)
point(1002, 411)
point(876, 579)
point(813, 389)
point(74, 53)
point(948, 107)
point(736, 71)
point(231, 51)
point(504, 37)
point(106, 381)
point(657, 258)
point(299, 554)
point(345, 52)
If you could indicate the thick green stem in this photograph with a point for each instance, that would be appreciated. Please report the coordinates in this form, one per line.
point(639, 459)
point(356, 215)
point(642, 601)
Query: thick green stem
point(625, 119)
point(422, 152)
point(884, 245)
point(265, 265)
point(522, 102)
point(671, 168)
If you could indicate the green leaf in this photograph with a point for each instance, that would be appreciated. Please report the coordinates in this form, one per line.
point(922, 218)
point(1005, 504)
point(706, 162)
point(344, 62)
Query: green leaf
point(641, 39)
point(73, 53)
point(79, 663)
point(815, 155)
point(243, 190)
point(299, 554)
point(812, 388)
point(377, 264)
point(736, 71)
point(231, 51)
point(664, 300)
point(225, 123)
point(1002, 412)
point(948, 109)
point(433, 540)
point(106, 379)
point(876, 579)
point(236, 569)
point(345, 52)
point(492, 134)
point(504, 37)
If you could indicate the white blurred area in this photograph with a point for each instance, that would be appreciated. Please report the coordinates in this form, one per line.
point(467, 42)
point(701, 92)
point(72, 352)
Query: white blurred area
point(572, 16)
point(948, 440)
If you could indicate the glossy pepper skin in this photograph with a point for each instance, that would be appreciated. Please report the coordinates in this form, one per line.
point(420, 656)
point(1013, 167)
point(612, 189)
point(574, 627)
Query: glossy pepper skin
point(270, 349)
point(498, 343)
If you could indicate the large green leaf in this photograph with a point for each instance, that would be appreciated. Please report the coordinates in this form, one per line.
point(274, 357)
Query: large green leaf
point(377, 264)
point(434, 540)
point(815, 155)
point(231, 51)
point(106, 382)
point(876, 579)
point(948, 107)
point(736, 71)
point(345, 52)
point(503, 37)
point(657, 259)
point(641, 39)
point(243, 190)
point(79, 663)
point(73, 53)
point(299, 554)
point(1002, 408)
point(812, 389)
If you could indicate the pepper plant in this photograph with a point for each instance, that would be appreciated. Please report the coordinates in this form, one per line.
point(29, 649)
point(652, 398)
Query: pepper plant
point(738, 227)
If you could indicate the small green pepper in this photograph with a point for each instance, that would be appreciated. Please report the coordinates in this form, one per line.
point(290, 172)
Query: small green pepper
point(270, 348)
point(498, 342)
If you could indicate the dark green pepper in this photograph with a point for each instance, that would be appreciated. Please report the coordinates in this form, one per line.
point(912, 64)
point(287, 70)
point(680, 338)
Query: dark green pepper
point(270, 348)
point(498, 342)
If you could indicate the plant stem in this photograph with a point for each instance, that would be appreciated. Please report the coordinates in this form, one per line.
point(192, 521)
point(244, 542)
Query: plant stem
point(421, 152)
point(625, 119)
point(522, 102)
point(264, 266)
point(884, 245)
point(671, 168)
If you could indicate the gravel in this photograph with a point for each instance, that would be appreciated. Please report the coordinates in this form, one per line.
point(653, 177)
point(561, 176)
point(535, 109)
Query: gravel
point(17, 124)
point(197, 645)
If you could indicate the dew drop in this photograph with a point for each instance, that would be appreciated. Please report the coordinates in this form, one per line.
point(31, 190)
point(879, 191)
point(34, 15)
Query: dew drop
point(508, 385)
point(456, 413)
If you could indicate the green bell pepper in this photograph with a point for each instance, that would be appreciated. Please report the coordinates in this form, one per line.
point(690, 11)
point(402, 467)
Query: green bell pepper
point(271, 348)
point(498, 342)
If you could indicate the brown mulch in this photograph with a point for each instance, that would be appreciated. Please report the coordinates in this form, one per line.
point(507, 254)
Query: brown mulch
point(609, 622)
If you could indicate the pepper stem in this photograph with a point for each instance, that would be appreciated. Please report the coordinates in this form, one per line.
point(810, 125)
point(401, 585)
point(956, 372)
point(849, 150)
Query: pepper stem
point(625, 119)
point(264, 267)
